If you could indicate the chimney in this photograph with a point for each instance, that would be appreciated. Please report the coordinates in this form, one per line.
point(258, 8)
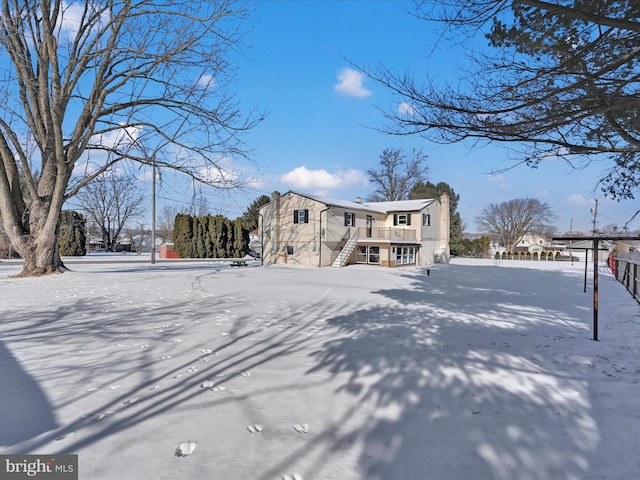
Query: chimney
point(358, 200)
point(276, 225)
point(444, 225)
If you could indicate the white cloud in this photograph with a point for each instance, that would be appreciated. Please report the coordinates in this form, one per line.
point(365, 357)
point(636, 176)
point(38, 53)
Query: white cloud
point(207, 81)
point(127, 135)
point(500, 180)
point(351, 83)
point(577, 199)
point(303, 178)
point(72, 17)
point(406, 108)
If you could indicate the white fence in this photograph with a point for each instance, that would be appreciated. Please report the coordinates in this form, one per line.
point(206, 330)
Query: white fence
point(627, 271)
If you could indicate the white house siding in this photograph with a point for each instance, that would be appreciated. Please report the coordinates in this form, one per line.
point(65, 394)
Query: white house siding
point(318, 241)
point(285, 241)
point(335, 232)
point(435, 236)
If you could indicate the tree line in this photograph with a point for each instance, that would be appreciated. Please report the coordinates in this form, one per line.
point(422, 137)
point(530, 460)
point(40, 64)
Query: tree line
point(210, 236)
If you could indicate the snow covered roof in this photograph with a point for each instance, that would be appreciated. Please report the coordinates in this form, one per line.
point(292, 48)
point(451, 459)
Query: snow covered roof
point(375, 207)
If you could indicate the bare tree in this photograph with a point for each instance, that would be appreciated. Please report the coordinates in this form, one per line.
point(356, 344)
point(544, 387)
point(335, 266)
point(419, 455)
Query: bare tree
point(397, 174)
point(512, 220)
point(110, 201)
point(560, 80)
point(91, 83)
point(165, 221)
point(137, 236)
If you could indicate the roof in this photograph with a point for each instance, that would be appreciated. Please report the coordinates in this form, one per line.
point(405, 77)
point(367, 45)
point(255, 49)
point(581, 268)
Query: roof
point(588, 245)
point(374, 207)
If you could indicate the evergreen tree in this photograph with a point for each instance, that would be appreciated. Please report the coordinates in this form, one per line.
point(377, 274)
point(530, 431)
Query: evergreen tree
point(430, 190)
point(241, 238)
point(221, 236)
point(182, 233)
point(250, 216)
point(207, 222)
point(72, 239)
point(199, 241)
point(231, 238)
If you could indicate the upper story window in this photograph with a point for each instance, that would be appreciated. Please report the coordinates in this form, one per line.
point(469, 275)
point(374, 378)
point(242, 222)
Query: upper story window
point(426, 219)
point(402, 219)
point(349, 219)
point(301, 216)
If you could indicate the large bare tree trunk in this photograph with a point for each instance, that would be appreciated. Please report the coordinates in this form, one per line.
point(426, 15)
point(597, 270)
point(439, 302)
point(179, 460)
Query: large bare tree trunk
point(38, 248)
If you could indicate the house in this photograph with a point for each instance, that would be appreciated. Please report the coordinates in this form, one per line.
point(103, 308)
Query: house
point(305, 229)
point(534, 246)
point(255, 244)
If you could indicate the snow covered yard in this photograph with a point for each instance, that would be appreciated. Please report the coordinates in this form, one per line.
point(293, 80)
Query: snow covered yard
point(476, 371)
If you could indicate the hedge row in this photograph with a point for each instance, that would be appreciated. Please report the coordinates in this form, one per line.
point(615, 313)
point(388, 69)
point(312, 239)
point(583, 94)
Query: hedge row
point(210, 237)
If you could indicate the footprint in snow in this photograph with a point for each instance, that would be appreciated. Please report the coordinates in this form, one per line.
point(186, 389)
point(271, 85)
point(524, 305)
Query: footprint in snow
point(185, 448)
point(245, 373)
point(293, 476)
point(97, 417)
point(66, 435)
point(255, 428)
point(301, 428)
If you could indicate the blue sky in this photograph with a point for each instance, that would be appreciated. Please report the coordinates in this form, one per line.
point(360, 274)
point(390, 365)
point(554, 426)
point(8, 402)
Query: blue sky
point(319, 135)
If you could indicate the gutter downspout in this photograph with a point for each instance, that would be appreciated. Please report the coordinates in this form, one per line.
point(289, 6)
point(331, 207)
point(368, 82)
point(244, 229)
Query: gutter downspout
point(320, 237)
point(261, 239)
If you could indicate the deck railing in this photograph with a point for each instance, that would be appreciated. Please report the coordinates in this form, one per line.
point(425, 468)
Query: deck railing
point(386, 233)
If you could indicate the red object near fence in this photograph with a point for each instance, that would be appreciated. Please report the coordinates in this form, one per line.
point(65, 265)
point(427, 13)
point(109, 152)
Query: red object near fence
point(166, 251)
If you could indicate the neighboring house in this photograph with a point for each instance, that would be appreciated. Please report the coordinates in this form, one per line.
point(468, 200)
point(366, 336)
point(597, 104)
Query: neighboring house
point(536, 247)
point(255, 244)
point(312, 230)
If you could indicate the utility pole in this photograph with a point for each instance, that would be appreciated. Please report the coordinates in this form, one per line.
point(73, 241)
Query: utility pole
point(153, 211)
point(595, 274)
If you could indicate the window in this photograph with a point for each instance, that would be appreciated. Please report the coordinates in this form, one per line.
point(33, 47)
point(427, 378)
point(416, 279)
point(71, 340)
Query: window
point(289, 250)
point(374, 254)
point(368, 254)
point(301, 216)
point(404, 255)
point(402, 219)
point(349, 219)
point(426, 219)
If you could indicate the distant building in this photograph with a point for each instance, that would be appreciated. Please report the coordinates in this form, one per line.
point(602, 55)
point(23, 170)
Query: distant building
point(255, 244)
